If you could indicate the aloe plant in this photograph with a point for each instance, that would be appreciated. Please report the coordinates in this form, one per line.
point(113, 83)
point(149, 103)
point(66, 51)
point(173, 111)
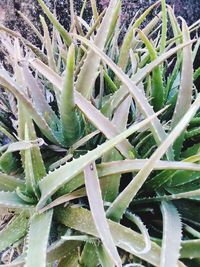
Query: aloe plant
point(100, 158)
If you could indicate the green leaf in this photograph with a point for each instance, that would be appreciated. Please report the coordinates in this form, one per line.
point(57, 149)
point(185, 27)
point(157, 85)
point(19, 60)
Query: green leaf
point(157, 82)
point(94, 115)
point(68, 250)
point(110, 185)
point(125, 238)
point(104, 259)
point(190, 249)
point(67, 39)
point(186, 88)
point(38, 236)
point(55, 251)
point(127, 166)
point(113, 24)
point(172, 233)
point(142, 102)
point(164, 27)
point(197, 74)
point(7, 82)
point(26, 19)
point(71, 127)
point(136, 220)
point(48, 45)
point(37, 163)
point(127, 41)
point(33, 48)
point(11, 200)
point(39, 101)
point(97, 209)
point(121, 203)
point(10, 183)
point(8, 163)
point(14, 230)
point(94, 9)
point(50, 184)
point(92, 61)
point(89, 256)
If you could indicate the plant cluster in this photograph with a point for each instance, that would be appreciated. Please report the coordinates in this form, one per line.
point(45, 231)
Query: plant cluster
point(100, 142)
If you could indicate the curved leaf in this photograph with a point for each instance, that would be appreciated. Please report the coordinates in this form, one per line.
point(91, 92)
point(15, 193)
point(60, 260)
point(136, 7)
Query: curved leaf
point(11, 200)
point(14, 230)
point(121, 203)
point(7, 82)
point(97, 209)
point(127, 41)
point(10, 183)
point(140, 99)
point(94, 115)
point(92, 61)
point(38, 236)
point(125, 238)
point(172, 233)
point(50, 184)
point(55, 22)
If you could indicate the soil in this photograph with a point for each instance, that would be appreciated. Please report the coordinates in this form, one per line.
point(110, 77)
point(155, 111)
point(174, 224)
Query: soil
point(189, 9)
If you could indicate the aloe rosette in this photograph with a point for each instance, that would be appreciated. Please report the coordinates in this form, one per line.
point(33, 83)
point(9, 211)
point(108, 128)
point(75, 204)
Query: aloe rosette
point(100, 159)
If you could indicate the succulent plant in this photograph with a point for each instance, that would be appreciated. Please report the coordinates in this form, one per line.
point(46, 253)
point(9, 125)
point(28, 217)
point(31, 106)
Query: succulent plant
point(100, 142)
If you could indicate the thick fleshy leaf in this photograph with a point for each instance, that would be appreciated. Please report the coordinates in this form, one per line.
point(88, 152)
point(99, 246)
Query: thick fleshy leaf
point(94, 115)
point(140, 99)
point(14, 230)
point(118, 207)
point(92, 61)
point(97, 209)
point(125, 238)
point(136, 220)
point(33, 48)
point(38, 236)
point(39, 100)
point(8, 83)
point(172, 233)
point(56, 23)
point(10, 183)
point(110, 185)
point(110, 169)
point(104, 259)
point(89, 256)
point(71, 127)
point(186, 87)
point(190, 249)
point(11, 200)
point(127, 41)
point(157, 82)
point(164, 27)
point(27, 20)
point(50, 184)
point(62, 248)
point(48, 44)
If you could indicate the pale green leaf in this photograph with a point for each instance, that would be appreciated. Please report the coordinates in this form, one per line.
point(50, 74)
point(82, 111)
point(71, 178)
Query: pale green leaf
point(50, 184)
point(97, 209)
point(92, 61)
point(172, 233)
point(122, 202)
point(14, 230)
point(37, 242)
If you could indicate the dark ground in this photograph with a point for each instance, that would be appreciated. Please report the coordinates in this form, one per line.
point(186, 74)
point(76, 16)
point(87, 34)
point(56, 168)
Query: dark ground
point(189, 9)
